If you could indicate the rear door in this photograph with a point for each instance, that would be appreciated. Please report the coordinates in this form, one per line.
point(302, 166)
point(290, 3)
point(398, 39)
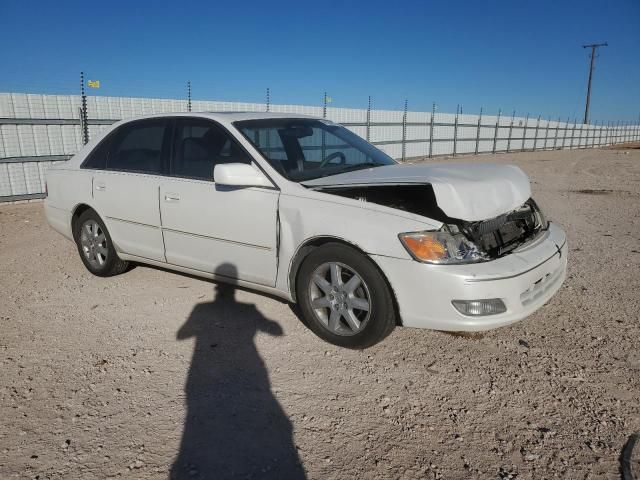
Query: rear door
point(126, 188)
point(231, 232)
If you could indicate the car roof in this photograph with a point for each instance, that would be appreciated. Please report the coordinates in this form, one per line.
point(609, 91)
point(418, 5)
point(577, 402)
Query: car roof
point(223, 117)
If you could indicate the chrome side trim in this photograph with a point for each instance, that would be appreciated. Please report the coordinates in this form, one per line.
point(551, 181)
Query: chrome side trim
point(226, 240)
point(164, 229)
point(132, 223)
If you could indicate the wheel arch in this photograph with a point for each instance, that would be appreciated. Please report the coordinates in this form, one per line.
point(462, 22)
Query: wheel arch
point(77, 211)
point(315, 242)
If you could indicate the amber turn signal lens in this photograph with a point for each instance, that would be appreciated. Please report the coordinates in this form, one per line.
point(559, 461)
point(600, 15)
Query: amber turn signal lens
point(425, 247)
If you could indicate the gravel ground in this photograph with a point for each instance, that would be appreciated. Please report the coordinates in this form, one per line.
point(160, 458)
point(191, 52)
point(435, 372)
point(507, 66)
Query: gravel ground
point(152, 373)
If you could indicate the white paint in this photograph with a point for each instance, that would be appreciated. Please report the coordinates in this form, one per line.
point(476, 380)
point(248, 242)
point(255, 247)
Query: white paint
point(218, 231)
point(463, 190)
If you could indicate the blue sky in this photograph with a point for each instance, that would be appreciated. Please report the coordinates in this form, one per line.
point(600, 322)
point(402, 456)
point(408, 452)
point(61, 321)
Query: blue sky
point(525, 56)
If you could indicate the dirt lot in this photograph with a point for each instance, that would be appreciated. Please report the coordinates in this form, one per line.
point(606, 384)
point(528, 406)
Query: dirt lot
point(153, 373)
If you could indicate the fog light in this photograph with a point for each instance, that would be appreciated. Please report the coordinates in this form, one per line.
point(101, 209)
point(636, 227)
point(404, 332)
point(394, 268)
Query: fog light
point(476, 308)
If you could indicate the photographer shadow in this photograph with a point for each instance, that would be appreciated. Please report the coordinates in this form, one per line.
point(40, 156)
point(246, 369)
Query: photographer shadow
point(234, 426)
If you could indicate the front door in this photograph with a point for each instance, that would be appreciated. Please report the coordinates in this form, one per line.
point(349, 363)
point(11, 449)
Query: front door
point(231, 232)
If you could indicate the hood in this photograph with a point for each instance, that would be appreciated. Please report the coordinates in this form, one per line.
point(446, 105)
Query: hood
point(466, 191)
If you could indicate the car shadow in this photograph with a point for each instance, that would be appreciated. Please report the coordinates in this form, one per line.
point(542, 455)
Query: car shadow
point(234, 426)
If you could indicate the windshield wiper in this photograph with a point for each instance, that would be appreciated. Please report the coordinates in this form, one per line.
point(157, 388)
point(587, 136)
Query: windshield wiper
point(350, 168)
point(358, 166)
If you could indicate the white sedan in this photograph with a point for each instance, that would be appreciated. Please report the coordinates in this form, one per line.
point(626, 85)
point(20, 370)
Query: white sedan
point(304, 209)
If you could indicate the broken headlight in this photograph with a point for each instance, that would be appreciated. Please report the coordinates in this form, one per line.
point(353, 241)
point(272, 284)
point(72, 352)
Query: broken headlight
point(541, 221)
point(445, 246)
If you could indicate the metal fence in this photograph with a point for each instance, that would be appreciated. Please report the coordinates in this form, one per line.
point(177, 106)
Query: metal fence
point(37, 131)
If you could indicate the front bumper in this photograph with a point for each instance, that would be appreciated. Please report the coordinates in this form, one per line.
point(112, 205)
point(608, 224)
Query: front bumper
point(525, 280)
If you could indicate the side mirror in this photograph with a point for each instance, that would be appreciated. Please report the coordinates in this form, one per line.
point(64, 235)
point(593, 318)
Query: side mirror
point(239, 175)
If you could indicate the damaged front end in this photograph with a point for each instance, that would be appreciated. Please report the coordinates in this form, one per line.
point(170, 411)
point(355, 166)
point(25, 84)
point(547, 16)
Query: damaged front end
point(457, 241)
point(498, 236)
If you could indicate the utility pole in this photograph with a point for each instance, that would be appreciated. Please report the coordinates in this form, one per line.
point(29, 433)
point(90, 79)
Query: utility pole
point(593, 47)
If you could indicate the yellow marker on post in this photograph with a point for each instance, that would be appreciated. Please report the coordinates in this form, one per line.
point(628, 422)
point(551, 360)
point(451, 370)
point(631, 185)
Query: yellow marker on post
point(93, 83)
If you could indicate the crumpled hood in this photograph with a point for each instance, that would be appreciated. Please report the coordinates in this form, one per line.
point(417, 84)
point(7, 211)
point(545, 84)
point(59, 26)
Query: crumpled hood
point(466, 191)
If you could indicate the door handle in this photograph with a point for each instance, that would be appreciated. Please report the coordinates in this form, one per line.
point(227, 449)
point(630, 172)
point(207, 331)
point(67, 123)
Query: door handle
point(100, 186)
point(171, 197)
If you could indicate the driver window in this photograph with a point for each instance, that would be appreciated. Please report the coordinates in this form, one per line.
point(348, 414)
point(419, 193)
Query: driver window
point(324, 145)
point(199, 146)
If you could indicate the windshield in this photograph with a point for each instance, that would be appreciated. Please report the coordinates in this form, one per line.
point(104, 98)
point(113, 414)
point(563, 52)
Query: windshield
point(305, 149)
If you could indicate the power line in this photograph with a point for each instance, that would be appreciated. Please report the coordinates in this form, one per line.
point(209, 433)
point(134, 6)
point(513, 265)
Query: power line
point(593, 47)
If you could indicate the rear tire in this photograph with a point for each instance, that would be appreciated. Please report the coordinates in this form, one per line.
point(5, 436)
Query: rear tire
point(344, 298)
point(96, 247)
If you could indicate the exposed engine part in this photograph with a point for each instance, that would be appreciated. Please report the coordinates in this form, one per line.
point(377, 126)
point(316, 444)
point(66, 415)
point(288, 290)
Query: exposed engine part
point(503, 234)
point(418, 199)
point(494, 237)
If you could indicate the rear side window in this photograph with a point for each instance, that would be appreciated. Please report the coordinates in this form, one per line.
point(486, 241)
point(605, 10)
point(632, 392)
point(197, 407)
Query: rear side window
point(98, 157)
point(134, 147)
point(138, 147)
point(199, 146)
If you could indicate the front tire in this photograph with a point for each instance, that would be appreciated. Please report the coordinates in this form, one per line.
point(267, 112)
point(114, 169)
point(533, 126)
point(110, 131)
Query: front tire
point(344, 298)
point(96, 247)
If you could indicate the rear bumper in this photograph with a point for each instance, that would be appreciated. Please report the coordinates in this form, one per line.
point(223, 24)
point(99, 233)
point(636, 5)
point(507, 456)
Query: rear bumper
point(525, 280)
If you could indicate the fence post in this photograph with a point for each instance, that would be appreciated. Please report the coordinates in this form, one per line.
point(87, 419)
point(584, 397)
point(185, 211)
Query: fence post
point(600, 133)
point(621, 131)
point(369, 119)
point(524, 132)
point(455, 132)
point(404, 132)
point(546, 133)
point(433, 115)
point(586, 140)
point(513, 116)
point(323, 150)
point(478, 131)
point(555, 137)
point(619, 134)
point(580, 135)
point(573, 131)
point(495, 132)
point(535, 139)
point(324, 106)
point(626, 131)
point(189, 96)
point(612, 138)
point(83, 115)
point(593, 137)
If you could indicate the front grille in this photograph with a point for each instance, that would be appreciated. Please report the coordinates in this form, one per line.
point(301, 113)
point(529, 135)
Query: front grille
point(502, 234)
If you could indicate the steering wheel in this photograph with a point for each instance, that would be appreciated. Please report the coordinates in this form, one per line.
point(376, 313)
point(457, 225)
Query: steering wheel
point(331, 156)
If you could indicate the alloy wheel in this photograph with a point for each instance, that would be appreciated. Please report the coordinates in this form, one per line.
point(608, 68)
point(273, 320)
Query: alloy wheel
point(94, 243)
point(340, 298)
